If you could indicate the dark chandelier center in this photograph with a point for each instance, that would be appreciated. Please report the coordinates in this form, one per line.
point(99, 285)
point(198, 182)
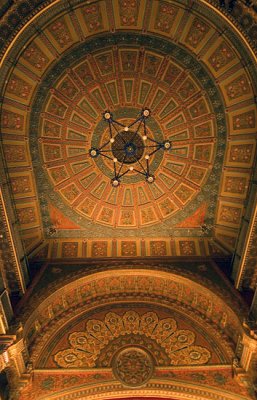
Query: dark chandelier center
point(128, 147)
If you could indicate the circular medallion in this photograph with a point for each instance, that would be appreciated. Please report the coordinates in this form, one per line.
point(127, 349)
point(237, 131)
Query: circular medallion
point(133, 367)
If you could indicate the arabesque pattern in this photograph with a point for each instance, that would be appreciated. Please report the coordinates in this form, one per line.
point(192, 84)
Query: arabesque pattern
point(85, 347)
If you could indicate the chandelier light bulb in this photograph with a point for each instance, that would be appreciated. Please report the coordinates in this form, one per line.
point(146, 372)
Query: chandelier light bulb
point(115, 182)
point(131, 168)
point(167, 145)
point(112, 140)
point(147, 157)
point(115, 160)
point(107, 115)
point(146, 112)
point(150, 178)
point(144, 137)
point(93, 152)
point(126, 129)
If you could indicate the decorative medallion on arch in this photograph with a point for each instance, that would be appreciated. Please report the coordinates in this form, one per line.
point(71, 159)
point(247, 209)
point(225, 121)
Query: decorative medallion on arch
point(133, 366)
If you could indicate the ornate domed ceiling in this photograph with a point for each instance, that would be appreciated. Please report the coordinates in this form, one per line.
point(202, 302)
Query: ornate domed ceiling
point(67, 115)
point(200, 90)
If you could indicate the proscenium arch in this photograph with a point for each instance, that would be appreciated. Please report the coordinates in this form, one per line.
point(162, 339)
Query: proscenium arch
point(99, 289)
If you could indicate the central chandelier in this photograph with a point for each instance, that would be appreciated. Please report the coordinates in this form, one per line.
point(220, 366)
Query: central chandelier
point(129, 147)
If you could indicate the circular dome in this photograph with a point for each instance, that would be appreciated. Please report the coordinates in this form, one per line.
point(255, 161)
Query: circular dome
point(183, 103)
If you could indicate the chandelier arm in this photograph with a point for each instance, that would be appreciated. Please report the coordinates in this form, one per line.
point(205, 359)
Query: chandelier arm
point(105, 155)
point(152, 140)
point(141, 165)
point(105, 144)
point(118, 123)
point(140, 172)
point(155, 146)
point(145, 130)
point(115, 171)
point(118, 132)
point(147, 166)
point(133, 123)
point(122, 164)
point(110, 128)
point(158, 148)
point(105, 151)
point(136, 131)
point(124, 173)
point(118, 149)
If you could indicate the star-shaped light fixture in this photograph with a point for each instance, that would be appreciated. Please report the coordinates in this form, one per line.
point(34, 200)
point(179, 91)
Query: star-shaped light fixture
point(129, 147)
